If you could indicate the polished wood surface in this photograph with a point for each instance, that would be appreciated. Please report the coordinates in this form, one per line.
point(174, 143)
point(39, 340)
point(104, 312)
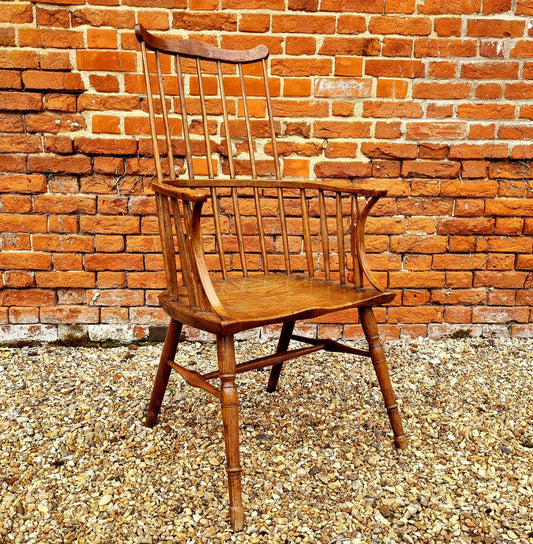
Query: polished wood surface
point(240, 250)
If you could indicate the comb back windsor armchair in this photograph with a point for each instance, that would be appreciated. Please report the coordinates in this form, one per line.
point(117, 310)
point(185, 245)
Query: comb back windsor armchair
point(279, 251)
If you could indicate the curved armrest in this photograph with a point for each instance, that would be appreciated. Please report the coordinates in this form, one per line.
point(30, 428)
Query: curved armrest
point(360, 243)
point(201, 266)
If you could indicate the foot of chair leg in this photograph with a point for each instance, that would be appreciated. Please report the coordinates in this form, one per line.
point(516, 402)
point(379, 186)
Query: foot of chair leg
point(163, 372)
point(151, 419)
point(400, 442)
point(236, 516)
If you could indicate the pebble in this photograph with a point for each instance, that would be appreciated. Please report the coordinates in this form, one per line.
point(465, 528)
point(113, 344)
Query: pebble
point(77, 465)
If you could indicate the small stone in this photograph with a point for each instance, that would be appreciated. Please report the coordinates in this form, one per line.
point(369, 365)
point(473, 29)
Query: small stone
point(105, 500)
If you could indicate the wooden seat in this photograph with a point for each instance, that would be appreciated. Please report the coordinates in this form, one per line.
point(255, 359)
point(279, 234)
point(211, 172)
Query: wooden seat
point(242, 250)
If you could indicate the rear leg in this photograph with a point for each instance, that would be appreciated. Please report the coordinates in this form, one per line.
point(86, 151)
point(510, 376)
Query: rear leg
point(163, 371)
point(283, 344)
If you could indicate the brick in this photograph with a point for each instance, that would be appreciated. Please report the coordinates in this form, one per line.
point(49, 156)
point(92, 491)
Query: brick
point(350, 169)
point(341, 129)
point(69, 314)
point(470, 297)
point(488, 91)
point(446, 27)
point(385, 150)
point(442, 90)
point(110, 261)
point(400, 6)
point(25, 260)
point(424, 314)
point(490, 70)
point(301, 67)
point(110, 280)
point(486, 111)
point(465, 226)
point(441, 47)
point(461, 188)
point(48, 37)
point(109, 224)
point(64, 204)
point(303, 24)
point(348, 66)
point(431, 169)
point(350, 46)
point(7, 36)
point(353, 6)
point(500, 279)
point(501, 28)
point(351, 24)
point(510, 207)
point(114, 61)
point(470, 151)
point(10, 79)
point(254, 22)
point(22, 183)
point(436, 130)
point(391, 109)
point(300, 45)
point(101, 146)
point(23, 315)
point(27, 297)
point(504, 244)
point(482, 132)
point(406, 26)
point(455, 7)
point(509, 226)
point(451, 261)
point(392, 88)
point(496, 6)
point(74, 164)
point(20, 101)
point(57, 81)
point(342, 87)
point(23, 59)
point(418, 244)
point(96, 102)
point(94, 17)
point(58, 18)
point(442, 69)
point(459, 280)
point(15, 203)
point(394, 68)
point(397, 47)
point(67, 279)
point(115, 297)
point(457, 315)
point(493, 314)
point(114, 315)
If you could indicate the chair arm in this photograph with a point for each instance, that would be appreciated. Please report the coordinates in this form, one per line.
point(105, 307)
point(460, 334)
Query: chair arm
point(181, 193)
point(360, 243)
point(201, 266)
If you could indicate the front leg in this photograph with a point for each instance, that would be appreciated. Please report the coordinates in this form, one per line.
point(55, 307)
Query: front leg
point(229, 401)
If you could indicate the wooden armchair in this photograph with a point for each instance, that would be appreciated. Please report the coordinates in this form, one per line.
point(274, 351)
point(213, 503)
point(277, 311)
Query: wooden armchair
point(242, 252)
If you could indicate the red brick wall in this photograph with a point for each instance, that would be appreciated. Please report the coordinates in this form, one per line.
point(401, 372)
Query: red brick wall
point(433, 98)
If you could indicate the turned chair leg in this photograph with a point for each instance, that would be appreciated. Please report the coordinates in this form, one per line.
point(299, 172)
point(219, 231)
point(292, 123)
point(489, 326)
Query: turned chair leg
point(163, 372)
point(283, 345)
point(229, 401)
point(377, 354)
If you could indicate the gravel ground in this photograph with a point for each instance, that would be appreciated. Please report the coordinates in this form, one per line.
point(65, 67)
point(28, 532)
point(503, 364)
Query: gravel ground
point(77, 466)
